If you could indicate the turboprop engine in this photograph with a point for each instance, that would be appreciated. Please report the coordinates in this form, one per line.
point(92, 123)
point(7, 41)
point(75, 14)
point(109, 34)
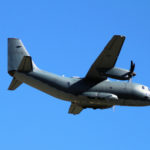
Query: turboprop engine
point(121, 74)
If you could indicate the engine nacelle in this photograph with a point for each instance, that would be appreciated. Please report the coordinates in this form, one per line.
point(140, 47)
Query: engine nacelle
point(100, 95)
point(118, 73)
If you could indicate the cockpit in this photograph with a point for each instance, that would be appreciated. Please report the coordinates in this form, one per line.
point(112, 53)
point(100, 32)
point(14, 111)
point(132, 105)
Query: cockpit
point(145, 88)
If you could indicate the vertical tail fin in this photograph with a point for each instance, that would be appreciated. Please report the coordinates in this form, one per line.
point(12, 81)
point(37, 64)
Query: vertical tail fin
point(18, 60)
point(16, 53)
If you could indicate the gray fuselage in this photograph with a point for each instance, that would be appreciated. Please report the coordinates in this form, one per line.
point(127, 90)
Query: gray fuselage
point(87, 93)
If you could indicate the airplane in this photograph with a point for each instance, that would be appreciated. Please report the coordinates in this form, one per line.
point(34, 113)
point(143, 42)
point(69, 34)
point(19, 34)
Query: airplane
point(92, 91)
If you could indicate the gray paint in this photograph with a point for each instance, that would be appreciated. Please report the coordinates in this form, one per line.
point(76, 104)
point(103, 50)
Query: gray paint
point(70, 89)
point(82, 92)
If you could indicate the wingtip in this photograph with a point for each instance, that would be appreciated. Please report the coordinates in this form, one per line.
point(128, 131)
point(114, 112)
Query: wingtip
point(120, 36)
point(13, 39)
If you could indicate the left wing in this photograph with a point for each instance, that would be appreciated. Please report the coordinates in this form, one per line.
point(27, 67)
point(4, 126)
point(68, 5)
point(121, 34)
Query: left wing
point(106, 60)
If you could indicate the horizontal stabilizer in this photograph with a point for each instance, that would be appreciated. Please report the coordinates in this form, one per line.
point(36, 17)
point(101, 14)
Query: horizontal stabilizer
point(26, 64)
point(75, 109)
point(14, 84)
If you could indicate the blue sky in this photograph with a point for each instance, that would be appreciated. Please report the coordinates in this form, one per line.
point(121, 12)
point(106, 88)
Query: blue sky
point(65, 37)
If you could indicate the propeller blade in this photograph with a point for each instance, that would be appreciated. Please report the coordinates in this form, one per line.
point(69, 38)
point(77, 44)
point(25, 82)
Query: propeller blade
point(131, 72)
point(130, 80)
point(132, 67)
point(113, 108)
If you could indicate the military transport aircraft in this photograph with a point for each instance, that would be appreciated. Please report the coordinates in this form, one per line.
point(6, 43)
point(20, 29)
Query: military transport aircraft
point(92, 91)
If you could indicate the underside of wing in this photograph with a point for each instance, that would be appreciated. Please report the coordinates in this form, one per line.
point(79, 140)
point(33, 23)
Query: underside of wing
point(105, 106)
point(76, 109)
point(107, 59)
point(98, 106)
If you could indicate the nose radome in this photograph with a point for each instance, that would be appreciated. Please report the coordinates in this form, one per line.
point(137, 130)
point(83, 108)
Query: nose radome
point(147, 96)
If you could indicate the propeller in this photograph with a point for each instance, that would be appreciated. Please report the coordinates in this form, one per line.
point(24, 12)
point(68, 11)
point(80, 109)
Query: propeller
point(113, 108)
point(131, 72)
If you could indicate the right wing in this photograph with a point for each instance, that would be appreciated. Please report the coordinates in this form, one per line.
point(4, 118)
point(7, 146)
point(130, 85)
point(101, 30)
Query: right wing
point(106, 60)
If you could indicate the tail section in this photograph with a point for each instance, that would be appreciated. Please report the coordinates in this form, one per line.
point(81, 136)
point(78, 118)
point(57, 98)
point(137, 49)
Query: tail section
point(17, 55)
point(26, 64)
point(18, 60)
point(14, 84)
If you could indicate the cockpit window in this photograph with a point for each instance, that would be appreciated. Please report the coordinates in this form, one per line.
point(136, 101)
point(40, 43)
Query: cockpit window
point(143, 87)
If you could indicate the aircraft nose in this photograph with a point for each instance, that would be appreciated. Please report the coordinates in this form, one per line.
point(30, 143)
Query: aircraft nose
point(147, 96)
